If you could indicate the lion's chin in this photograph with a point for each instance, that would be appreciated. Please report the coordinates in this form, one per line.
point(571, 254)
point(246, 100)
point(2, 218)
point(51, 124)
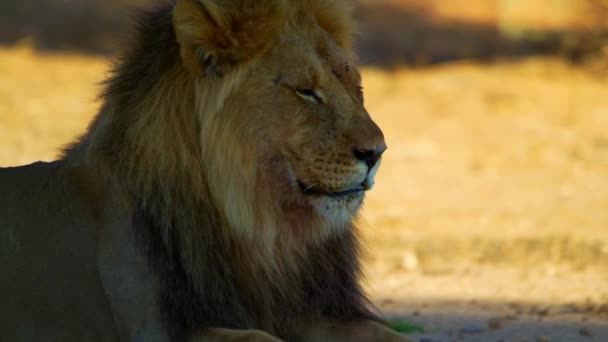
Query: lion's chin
point(338, 211)
point(337, 208)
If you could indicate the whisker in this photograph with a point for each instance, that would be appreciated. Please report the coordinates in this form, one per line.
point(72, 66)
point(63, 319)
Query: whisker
point(311, 186)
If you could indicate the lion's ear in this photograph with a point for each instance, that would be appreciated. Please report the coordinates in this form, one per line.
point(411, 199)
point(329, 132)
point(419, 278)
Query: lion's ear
point(218, 35)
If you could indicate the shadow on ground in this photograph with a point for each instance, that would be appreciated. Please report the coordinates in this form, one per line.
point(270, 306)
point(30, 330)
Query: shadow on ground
point(391, 35)
point(453, 320)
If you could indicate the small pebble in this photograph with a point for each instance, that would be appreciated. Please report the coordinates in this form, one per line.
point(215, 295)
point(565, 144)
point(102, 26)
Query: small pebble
point(542, 312)
point(494, 324)
point(585, 332)
point(472, 329)
point(543, 339)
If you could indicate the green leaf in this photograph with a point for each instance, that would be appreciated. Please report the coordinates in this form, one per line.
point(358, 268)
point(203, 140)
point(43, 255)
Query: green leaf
point(404, 327)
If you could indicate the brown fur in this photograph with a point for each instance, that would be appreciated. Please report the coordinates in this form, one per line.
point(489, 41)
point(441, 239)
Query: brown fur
point(202, 143)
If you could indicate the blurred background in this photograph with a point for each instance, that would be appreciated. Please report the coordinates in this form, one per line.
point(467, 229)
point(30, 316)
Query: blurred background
point(489, 220)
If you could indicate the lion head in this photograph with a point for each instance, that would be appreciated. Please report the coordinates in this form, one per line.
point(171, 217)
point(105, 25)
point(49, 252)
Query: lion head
point(281, 111)
point(234, 140)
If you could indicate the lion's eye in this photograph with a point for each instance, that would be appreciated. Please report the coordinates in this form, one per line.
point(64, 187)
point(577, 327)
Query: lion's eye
point(309, 95)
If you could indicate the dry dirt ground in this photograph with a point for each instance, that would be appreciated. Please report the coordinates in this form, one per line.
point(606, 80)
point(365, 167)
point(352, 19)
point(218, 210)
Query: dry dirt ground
point(489, 221)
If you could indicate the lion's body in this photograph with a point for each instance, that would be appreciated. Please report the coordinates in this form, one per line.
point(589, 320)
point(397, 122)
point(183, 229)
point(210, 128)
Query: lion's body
point(72, 266)
point(211, 191)
point(49, 280)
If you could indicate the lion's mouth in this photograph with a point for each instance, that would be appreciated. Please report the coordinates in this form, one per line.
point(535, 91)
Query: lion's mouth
point(315, 191)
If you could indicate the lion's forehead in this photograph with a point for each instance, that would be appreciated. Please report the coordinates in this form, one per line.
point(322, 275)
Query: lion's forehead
point(337, 61)
point(345, 71)
point(321, 43)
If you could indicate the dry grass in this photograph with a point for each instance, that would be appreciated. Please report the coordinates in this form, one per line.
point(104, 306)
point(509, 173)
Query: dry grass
point(45, 101)
point(499, 163)
point(490, 167)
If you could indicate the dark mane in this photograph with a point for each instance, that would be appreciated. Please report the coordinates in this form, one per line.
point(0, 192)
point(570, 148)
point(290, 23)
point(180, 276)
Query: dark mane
point(231, 296)
point(181, 229)
point(149, 52)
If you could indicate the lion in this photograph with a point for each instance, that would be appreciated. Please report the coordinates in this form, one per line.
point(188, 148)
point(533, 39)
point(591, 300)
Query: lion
point(214, 197)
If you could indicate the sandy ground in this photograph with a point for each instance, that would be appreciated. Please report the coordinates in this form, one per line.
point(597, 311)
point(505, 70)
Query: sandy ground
point(489, 221)
point(490, 218)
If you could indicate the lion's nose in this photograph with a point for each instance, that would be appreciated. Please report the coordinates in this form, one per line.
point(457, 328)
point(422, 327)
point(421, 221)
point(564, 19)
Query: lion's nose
point(370, 156)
